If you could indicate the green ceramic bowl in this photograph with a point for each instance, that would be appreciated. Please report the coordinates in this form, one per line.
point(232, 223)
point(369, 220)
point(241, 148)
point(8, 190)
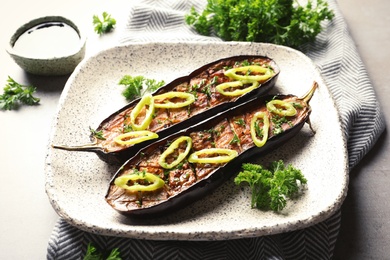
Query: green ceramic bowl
point(49, 61)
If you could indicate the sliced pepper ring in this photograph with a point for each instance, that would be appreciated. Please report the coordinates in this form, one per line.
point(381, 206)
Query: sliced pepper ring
point(189, 99)
point(259, 142)
point(174, 145)
point(135, 137)
point(146, 100)
point(234, 84)
point(281, 107)
point(227, 155)
point(141, 181)
point(266, 73)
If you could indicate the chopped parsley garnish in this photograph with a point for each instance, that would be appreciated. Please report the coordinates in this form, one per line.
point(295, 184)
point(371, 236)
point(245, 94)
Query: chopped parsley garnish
point(259, 130)
point(245, 63)
point(235, 140)
point(127, 128)
point(97, 134)
point(214, 80)
point(278, 122)
point(207, 90)
point(240, 122)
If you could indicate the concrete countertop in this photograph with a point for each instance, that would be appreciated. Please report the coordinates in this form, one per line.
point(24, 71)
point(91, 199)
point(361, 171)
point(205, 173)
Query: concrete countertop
point(365, 226)
point(26, 216)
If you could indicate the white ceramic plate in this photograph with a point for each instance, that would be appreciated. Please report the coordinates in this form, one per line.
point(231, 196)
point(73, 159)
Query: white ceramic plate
point(76, 182)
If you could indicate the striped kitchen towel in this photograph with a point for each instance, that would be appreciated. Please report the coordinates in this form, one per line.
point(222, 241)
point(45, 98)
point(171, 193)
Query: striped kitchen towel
point(335, 54)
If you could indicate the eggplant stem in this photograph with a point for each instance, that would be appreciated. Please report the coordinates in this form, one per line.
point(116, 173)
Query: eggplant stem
point(307, 97)
point(85, 147)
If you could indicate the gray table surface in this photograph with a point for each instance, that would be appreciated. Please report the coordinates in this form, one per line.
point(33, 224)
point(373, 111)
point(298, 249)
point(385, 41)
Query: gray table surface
point(26, 216)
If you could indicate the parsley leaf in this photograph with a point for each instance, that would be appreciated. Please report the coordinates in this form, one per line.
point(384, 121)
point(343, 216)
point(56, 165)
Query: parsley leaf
point(273, 186)
point(93, 254)
point(283, 22)
point(137, 86)
point(16, 94)
point(97, 134)
point(104, 25)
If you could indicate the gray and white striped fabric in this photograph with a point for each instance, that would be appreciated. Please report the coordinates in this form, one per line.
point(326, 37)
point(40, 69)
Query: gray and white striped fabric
point(335, 54)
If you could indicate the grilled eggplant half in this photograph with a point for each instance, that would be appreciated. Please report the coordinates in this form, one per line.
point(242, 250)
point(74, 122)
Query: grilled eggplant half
point(183, 167)
point(210, 89)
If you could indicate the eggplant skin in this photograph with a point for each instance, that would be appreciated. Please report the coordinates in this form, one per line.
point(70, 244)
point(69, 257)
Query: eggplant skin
point(219, 175)
point(121, 155)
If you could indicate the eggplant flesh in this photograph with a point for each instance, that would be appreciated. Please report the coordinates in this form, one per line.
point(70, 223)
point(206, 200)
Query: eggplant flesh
point(192, 181)
point(208, 103)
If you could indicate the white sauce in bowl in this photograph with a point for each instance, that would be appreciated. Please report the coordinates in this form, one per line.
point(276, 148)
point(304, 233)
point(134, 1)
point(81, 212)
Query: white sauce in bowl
point(48, 40)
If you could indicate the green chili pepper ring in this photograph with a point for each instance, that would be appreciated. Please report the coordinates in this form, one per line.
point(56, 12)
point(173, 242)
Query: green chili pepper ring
point(147, 100)
point(281, 107)
point(174, 145)
point(227, 156)
point(264, 130)
point(135, 137)
point(263, 73)
point(142, 181)
point(235, 84)
point(189, 99)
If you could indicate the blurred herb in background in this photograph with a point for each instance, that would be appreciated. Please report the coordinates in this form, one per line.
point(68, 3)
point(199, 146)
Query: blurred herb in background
point(283, 22)
point(94, 254)
point(104, 25)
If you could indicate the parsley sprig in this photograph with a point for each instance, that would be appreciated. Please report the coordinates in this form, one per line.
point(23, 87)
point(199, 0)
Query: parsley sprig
point(104, 25)
point(283, 22)
point(137, 86)
point(16, 94)
point(271, 187)
point(93, 254)
point(97, 134)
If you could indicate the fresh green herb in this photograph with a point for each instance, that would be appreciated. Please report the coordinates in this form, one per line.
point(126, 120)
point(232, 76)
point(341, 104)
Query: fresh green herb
point(137, 86)
point(297, 105)
point(235, 140)
point(245, 63)
point(284, 22)
point(16, 94)
point(207, 90)
point(214, 80)
point(259, 131)
point(127, 128)
point(271, 187)
point(93, 254)
point(278, 122)
point(104, 25)
point(240, 122)
point(193, 90)
point(97, 134)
